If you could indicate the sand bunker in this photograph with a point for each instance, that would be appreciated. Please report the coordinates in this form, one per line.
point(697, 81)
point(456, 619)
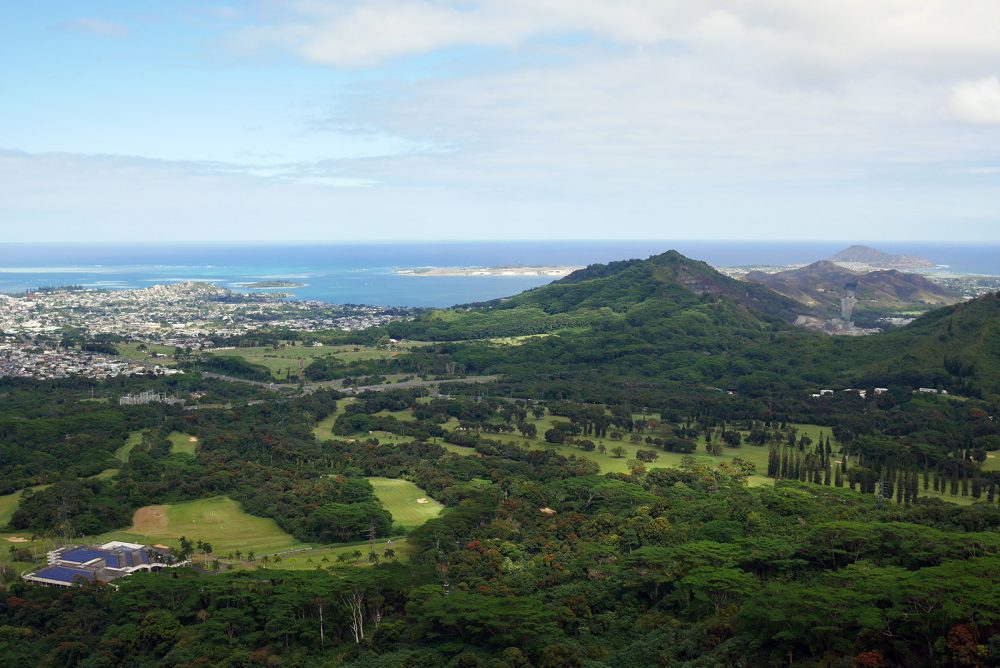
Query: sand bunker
point(193, 439)
point(149, 519)
point(16, 539)
point(421, 500)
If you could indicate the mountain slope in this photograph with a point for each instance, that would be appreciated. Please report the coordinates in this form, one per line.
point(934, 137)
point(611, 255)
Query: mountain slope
point(640, 328)
point(820, 286)
point(956, 347)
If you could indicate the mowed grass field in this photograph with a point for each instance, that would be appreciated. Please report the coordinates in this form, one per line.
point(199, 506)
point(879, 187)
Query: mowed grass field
point(409, 505)
point(182, 443)
point(284, 361)
point(324, 557)
point(9, 503)
point(218, 520)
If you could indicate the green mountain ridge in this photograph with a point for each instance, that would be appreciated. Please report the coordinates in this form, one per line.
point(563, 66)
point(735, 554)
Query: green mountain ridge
point(669, 322)
point(667, 283)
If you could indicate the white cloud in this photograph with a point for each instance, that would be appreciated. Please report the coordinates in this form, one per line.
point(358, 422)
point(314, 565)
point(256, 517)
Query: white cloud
point(819, 34)
point(977, 101)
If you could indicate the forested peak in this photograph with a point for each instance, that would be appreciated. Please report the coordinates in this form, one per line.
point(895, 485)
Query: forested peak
point(671, 274)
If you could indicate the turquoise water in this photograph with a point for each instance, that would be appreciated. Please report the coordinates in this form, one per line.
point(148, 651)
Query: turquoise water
point(366, 273)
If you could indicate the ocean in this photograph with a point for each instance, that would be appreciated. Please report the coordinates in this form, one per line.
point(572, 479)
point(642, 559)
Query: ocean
point(359, 273)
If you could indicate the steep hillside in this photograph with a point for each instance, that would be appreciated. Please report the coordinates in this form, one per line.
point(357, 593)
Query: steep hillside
point(820, 286)
point(955, 347)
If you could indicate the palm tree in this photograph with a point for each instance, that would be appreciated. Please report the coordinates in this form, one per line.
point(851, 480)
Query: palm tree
point(238, 554)
point(251, 557)
point(389, 553)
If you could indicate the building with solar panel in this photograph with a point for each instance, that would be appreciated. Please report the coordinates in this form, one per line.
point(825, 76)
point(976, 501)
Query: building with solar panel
point(72, 566)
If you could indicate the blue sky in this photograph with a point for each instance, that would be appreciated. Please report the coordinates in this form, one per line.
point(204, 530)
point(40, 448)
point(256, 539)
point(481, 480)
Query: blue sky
point(500, 119)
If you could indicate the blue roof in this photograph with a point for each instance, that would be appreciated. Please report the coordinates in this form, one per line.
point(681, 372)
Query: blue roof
point(82, 555)
point(64, 574)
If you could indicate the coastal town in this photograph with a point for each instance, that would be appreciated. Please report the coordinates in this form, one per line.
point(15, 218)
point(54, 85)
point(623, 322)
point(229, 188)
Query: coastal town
point(183, 315)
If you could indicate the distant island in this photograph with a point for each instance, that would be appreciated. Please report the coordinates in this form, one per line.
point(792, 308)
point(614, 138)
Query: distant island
point(872, 257)
point(554, 271)
point(262, 285)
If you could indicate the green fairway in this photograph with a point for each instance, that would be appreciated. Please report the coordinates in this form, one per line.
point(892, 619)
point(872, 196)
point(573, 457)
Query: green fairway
point(409, 505)
point(608, 463)
point(218, 520)
point(325, 557)
point(182, 443)
point(324, 428)
point(134, 439)
point(9, 503)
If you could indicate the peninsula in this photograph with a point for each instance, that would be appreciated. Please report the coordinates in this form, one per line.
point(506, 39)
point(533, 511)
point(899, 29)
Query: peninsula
point(554, 271)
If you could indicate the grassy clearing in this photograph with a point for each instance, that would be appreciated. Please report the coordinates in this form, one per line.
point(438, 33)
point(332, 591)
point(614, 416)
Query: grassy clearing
point(218, 520)
point(181, 443)
point(284, 362)
point(132, 352)
point(409, 505)
point(134, 439)
point(106, 474)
